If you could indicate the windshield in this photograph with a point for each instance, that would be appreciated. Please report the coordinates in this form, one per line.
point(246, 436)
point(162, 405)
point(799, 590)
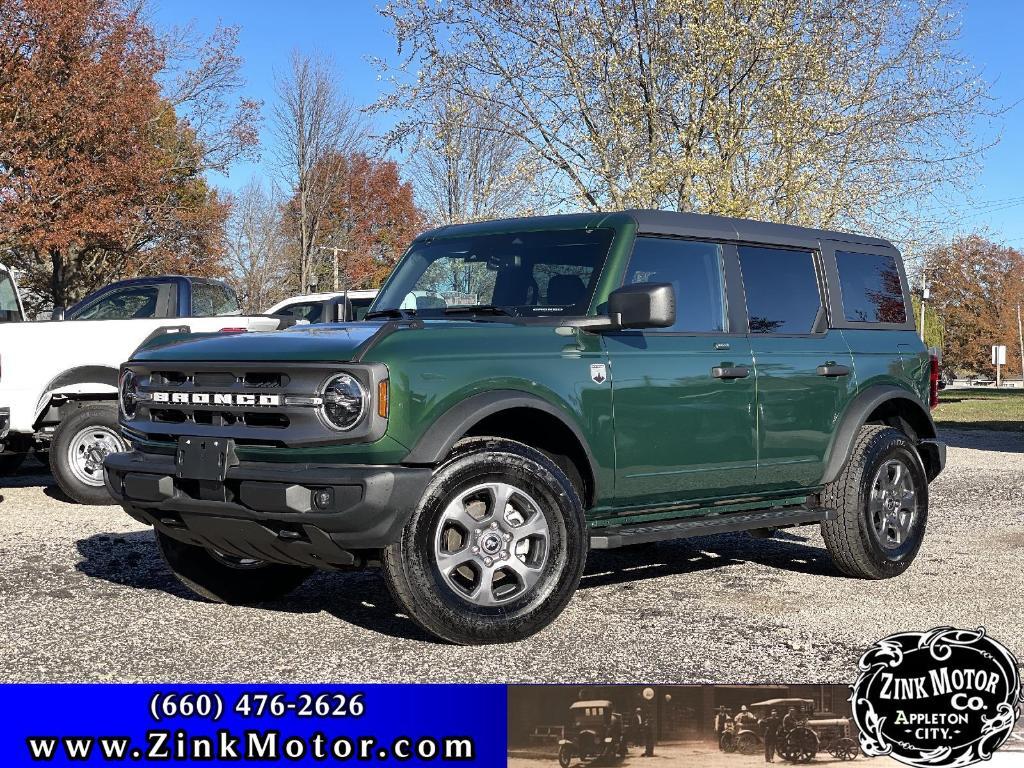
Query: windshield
point(522, 273)
point(10, 312)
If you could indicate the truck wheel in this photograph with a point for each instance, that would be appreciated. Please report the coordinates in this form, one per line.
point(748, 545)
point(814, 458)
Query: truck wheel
point(225, 578)
point(881, 498)
point(496, 547)
point(81, 443)
point(11, 462)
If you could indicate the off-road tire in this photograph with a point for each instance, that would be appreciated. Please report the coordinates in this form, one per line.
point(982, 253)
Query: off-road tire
point(100, 414)
point(11, 463)
point(416, 582)
point(211, 577)
point(848, 537)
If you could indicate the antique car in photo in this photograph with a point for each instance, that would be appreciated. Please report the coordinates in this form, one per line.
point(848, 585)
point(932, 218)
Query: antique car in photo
point(799, 743)
point(595, 732)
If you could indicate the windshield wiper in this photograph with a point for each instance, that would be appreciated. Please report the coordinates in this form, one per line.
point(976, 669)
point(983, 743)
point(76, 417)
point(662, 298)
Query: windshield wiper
point(475, 309)
point(401, 314)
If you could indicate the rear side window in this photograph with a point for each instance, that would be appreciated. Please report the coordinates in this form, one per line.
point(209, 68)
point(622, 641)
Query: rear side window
point(782, 290)
point(872, 291)
point(695, 271)
point(211, 299)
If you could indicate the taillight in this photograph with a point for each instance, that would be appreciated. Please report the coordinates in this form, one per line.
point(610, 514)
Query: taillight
point(233, 330)
point(933, 382)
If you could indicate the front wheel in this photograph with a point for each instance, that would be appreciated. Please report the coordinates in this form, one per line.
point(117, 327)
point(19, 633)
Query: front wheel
point(747, 743)
point(80, 444)
point(225, 578)
point(495, 549)
point(881, 501)
point(565, 756)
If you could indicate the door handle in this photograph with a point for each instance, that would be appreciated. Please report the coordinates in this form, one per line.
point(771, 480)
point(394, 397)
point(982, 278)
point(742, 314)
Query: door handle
point(832, 370)
point(730, 372)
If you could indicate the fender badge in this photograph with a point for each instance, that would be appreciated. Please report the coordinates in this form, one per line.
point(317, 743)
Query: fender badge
point(598, 372)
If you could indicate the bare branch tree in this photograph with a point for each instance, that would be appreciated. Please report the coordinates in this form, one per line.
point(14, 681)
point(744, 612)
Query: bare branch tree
point(257, 248)
point(824, 112)
point(468, 168)
point(317, 128)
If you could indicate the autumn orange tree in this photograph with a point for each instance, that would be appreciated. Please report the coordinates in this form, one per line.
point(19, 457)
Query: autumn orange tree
point(104, 145)
point(976, 286)
point(370, 214)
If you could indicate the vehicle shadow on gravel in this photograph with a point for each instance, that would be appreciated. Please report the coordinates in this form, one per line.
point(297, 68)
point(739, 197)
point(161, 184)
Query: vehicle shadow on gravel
point(786, 551)
point(979, 439)
point(359, 597)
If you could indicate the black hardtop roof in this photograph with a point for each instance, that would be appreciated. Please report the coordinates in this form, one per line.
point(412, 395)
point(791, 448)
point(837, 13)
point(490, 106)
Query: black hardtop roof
point(667, 223)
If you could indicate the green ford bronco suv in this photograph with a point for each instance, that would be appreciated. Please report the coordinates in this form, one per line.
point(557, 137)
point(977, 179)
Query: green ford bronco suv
point(526, 390)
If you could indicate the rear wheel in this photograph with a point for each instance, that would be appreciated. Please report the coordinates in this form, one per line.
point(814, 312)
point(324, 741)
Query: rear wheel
point(496, 547)
point(81, 443)
point(226, 578)
point(881, 500)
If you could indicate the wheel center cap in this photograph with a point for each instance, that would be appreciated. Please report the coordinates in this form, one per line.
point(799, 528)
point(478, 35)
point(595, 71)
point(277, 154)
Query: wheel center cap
point(491, 542)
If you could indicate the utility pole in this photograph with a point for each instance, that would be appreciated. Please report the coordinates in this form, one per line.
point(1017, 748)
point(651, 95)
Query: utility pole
point(924, 290)
point(1020, 340)
point(337, 268)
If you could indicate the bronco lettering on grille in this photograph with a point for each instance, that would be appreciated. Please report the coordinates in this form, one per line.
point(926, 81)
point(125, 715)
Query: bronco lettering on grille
point(216, 398)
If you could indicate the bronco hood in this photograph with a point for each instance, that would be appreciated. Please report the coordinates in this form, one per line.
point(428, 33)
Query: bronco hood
point(319, 343)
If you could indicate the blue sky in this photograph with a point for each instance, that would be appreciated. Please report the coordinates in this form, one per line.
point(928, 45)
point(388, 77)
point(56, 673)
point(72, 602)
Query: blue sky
point(350, 31)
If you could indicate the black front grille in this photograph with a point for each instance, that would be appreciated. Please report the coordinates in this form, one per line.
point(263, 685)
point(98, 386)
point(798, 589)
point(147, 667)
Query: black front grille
point(247, 423)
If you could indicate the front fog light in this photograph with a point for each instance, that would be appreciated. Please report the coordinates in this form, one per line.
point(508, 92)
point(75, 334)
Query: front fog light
point(344, 401)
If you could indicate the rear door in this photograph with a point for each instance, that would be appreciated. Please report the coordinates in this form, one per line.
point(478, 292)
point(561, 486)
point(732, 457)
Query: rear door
point(804, 369)
point(870, 302)
point(684, 396)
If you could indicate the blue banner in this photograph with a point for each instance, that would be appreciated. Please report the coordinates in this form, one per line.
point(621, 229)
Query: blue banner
point(323, 724)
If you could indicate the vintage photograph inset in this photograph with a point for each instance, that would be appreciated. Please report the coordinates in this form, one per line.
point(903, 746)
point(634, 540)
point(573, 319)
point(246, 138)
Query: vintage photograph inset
point(722, 726)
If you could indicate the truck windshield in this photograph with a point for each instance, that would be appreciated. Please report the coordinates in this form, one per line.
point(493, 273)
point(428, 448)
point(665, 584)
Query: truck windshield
point(524, 274)
point(10, 312)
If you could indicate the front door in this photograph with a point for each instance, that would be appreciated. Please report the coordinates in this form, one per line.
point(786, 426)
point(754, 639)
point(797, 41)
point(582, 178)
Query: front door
point(805, 371)
point(683, 397)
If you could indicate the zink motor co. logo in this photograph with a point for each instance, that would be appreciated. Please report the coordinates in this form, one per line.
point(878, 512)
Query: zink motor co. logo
point(948, 697)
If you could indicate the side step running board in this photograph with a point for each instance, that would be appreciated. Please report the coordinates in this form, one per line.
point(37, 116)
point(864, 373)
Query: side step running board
point(643, 533)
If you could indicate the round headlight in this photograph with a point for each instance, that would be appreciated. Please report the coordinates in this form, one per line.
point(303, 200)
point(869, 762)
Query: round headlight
point(128, 393)
point(344, 401)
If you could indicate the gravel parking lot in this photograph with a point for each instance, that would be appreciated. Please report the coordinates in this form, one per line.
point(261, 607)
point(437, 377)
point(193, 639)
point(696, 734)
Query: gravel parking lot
point(84, 596)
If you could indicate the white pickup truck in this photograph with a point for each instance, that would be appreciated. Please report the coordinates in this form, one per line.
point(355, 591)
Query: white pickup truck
point(58, 379)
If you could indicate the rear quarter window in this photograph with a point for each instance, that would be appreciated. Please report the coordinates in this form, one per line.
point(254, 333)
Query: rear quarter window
point(871, 287)
point(211, 299)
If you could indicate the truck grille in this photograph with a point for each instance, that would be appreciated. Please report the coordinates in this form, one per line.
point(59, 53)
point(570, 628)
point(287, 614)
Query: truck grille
point(250, 403)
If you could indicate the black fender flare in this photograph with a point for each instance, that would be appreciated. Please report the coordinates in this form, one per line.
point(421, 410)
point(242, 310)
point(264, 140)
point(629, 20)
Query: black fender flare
point(437, 441)
point(856, 415)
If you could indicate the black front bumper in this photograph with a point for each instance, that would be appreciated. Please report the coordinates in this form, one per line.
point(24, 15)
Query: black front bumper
point(304, 514)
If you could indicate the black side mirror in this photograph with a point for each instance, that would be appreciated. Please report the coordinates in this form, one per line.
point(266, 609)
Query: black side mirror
point(643, 305)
